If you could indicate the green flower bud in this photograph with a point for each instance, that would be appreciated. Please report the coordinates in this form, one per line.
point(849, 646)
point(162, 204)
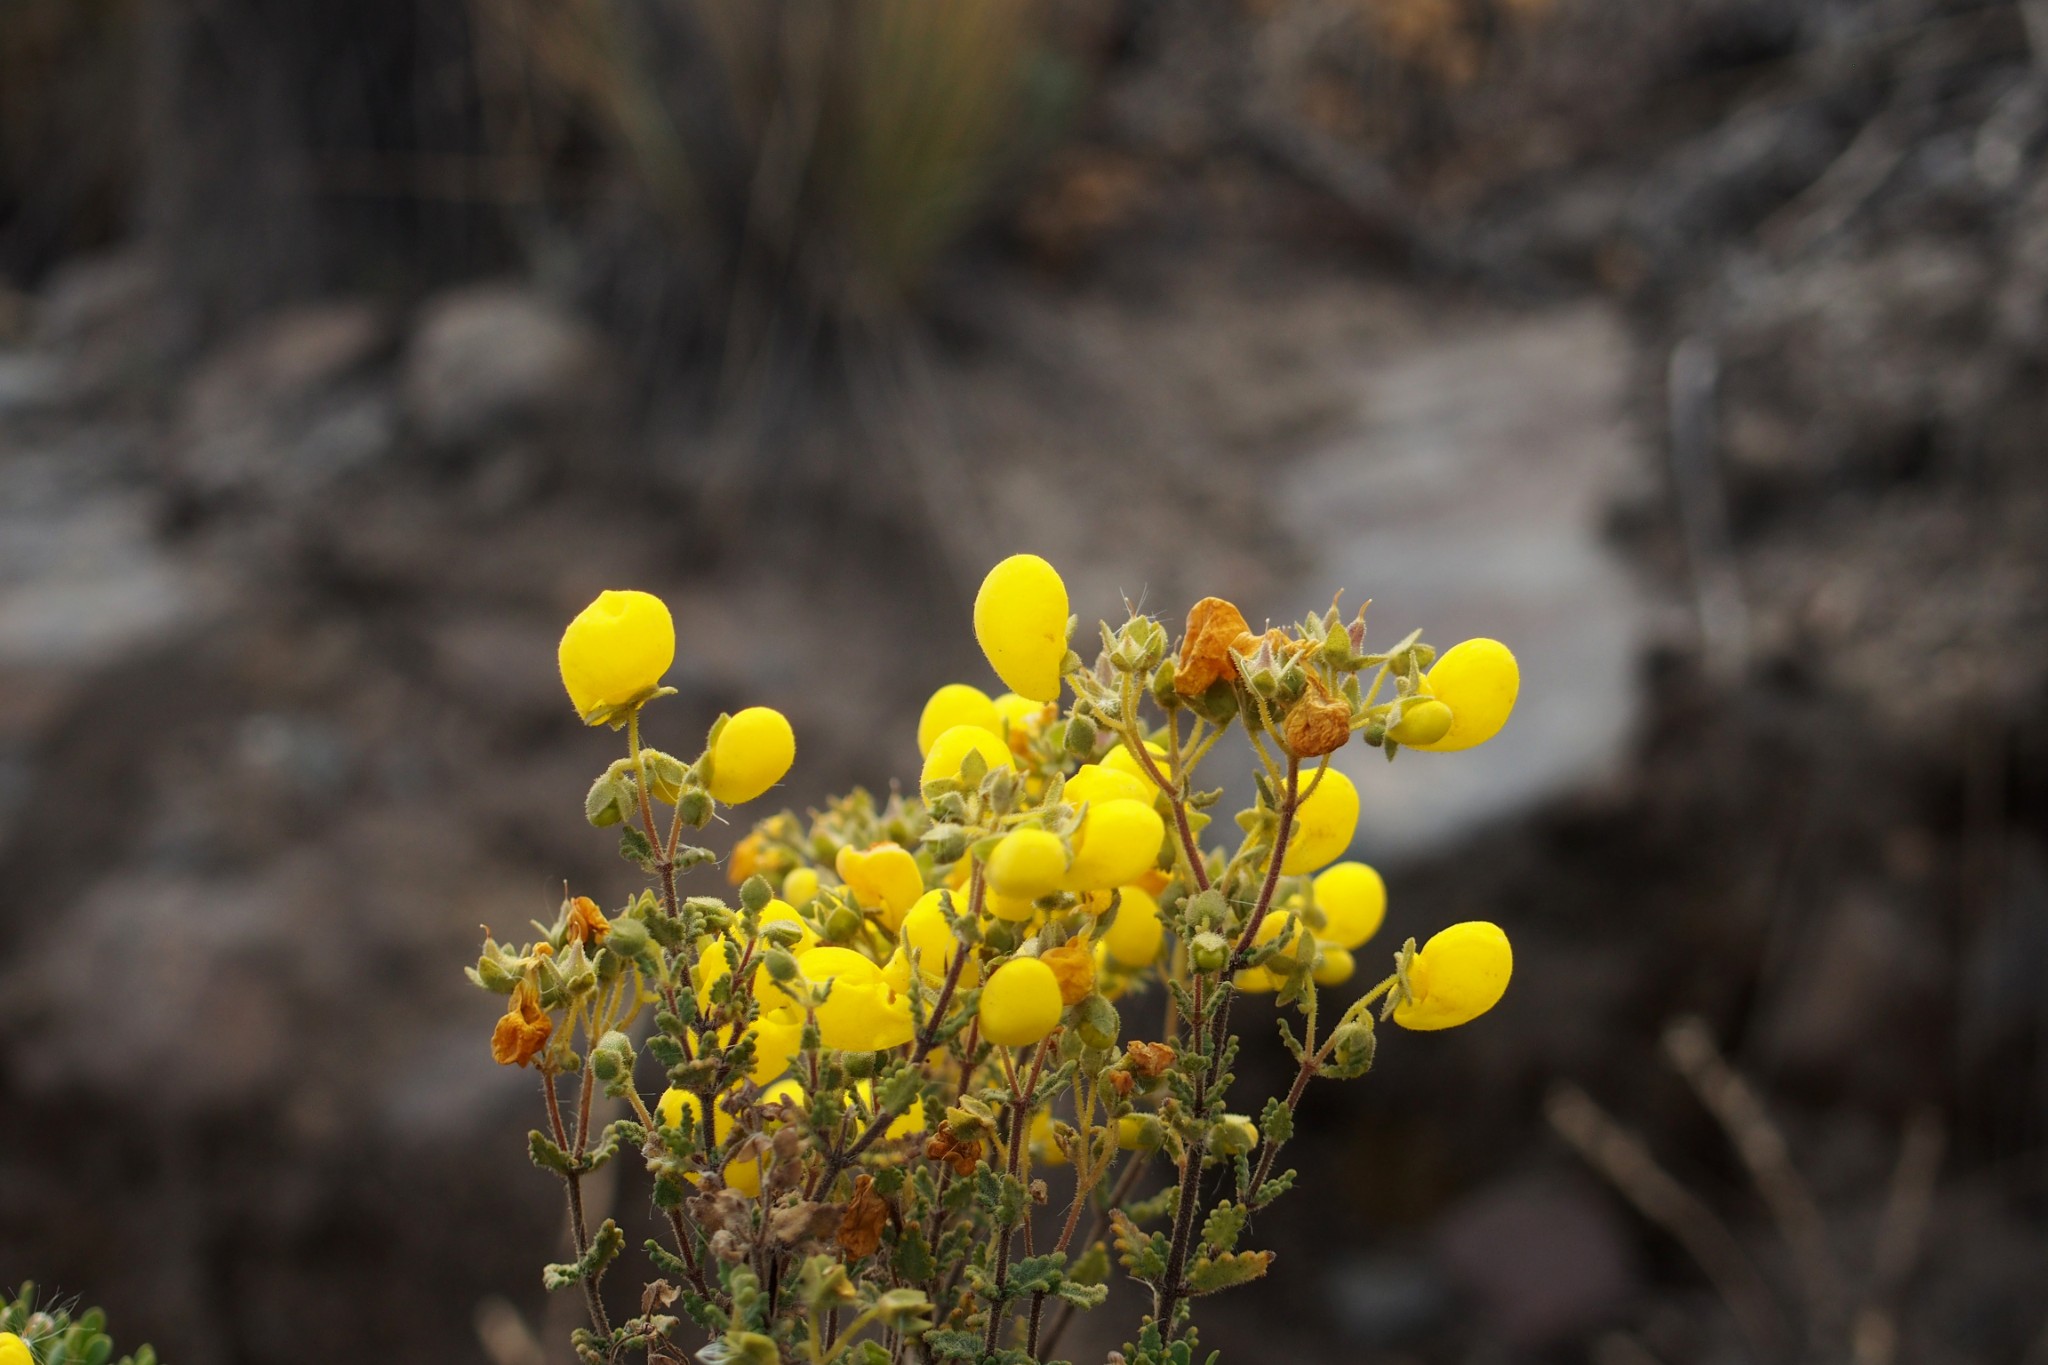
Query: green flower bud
point(695, 807)
point(1209, 951)
point(842, 925)
point(1095, 1020)
point(1080, 739)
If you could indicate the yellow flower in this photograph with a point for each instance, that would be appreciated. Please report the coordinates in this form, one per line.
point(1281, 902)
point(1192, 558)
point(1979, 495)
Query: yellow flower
point(911, 1120)
point(1021, 1003)
point(1122, 760)
point(956, 704)
point(754, 750)
point(1458, 975)
point(675, 1101)
point(1353, 900)
point(885, 878)
point(952, 746)
point(14, 1351)
point(1137, 936)
point(1022, 719)
point(777, 1035)
point(1271, 977)
point(1117, 843)
point(860, 1013)
point(1016, 909)
point(715, 959)
point(744, 1173)
point(1478, 680)
point(1334, 965)
point(926, 932)
point(1140, 1132)
point(1236, 1135)
point(1094, 782)
point(1045, 1147)
point(1324, 823)
point(800, 887)
point(614, 653)
point(1027, 864)
point(1020, 618)
point(782, 912)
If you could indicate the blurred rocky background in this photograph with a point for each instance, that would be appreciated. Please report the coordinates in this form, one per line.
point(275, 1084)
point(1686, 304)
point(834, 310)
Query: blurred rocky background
point(1697, 348)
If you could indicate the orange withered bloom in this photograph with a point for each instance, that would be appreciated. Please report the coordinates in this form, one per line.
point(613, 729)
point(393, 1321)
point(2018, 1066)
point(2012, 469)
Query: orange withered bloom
point(860, 1226)
point(1073, 966)
point(1213, 626)
point(587, 923)
point(746, 858)
point(1150, 1060)
point(524, 1029)
point(1318, 724)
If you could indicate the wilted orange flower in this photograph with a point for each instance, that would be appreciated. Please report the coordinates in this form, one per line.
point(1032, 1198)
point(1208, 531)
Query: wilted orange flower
point(524, 1029)
point(1150, 1060)
point(1213, 626)
point(1073, 966)
point(587, 923)
point(961, 1156)
point(1318, 725)
point(746, 858)
point(860, 1227)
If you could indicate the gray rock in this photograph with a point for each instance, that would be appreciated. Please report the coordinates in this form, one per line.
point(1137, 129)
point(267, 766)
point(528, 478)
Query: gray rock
point(284, 409)
point(485, 359)
point(1467, 499)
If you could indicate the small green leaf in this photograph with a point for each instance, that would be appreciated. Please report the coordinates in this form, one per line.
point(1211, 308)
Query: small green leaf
point(603, 1249)
point(635, 849)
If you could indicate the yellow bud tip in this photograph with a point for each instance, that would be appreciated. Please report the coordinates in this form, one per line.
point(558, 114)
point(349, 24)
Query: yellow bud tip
point(1020, 620)
point(754, 751)
point(1478, 680)
point(1460, 974)
point(615, 652)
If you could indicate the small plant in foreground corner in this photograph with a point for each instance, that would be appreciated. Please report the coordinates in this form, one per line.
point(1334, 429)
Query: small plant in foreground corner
point(51, 1334)
point(919, 1068)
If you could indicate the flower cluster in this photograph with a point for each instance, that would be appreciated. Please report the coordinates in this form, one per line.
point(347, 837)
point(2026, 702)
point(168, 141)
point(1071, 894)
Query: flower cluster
point(915, 1010)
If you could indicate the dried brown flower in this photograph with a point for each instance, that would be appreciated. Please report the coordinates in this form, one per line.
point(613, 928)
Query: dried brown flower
point(1317, 725)
point(1213, 626)
point(860, 1226)
point(1150, 1060)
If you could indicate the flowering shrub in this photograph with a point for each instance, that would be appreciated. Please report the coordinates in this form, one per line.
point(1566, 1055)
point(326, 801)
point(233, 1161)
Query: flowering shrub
point(52, 1334)
point(921, 1020)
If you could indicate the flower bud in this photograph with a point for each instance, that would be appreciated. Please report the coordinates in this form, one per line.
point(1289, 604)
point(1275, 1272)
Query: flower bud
point(694, 807)
point(1080, 738)
point(1095, 1019)
point(1163, 691)
point(1209, 951)
point(843, 924)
